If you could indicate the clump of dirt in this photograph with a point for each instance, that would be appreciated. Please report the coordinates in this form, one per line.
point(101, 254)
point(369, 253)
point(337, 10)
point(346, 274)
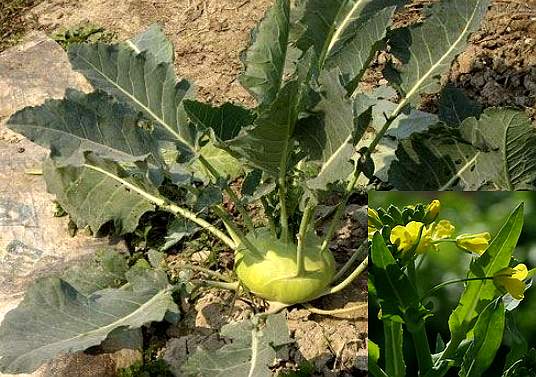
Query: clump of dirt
point(499, 66)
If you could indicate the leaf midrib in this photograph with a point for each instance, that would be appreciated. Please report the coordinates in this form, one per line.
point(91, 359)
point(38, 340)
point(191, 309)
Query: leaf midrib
point(143, 106)
point(419, 83)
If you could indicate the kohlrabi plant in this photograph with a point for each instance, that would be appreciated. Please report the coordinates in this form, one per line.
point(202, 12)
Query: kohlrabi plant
point(495, 284)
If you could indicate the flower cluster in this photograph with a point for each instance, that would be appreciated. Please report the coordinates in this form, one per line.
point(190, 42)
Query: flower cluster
point(415, 230)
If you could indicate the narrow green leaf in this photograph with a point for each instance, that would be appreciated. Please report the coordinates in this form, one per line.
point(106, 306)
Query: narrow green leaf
point(517, 341)
point(478, 294)
point(428, 49)
point(395, 365)
point(54, 318)
point(94, 199)
point(396, 295)
point(265, 59)
point(94, 122)
point(488, 334)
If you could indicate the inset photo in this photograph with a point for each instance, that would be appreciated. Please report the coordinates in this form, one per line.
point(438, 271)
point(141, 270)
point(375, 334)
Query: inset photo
point(450, 284)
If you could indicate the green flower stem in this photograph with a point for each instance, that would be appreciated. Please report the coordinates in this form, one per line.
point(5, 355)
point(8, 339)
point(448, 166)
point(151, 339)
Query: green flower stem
point(339, 212)
point(444, 240)
point(412, 274)
point(449, 282)
point(170, 207)
point(350, 261)
point(394, 346)
point(220, 211)
point(304, 226)
point(232, 195)
point(422, 347)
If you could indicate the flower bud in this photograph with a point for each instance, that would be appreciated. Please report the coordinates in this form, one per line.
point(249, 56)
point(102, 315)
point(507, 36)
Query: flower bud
point(432, 211)
point(374, 219)
point(474, 243)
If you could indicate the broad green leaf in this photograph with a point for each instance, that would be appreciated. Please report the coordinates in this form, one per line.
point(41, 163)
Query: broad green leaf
point(395, 365)
point(79, 122)
point(93, 198)
point(269, 142)
point(154, 41)
point(358, 43)
point(397, 297)
point(495, 152)
point(455, 106)
point(441, 159)
point(478, 294)
point(330, 27)
point(488, 334)
point(142, 82)
point(329, 138)
point(226, 165)
point(177, 230)
point(106, 270)
point(250, 354)
point(427, 50)
point(223, 122)
point(511, 137)
point(405, 125)
point(265, 59)
point(54, 318)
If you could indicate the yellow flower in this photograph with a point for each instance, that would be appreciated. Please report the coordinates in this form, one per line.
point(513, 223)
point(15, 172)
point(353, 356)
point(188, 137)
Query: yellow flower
point(474, 243)
point(442, 229)
point(406, 238)
point(374, 218)
point(511, 280)
point(432, 210)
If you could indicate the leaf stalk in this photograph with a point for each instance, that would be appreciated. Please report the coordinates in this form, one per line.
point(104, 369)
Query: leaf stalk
point(304, 226)
point(170, 207)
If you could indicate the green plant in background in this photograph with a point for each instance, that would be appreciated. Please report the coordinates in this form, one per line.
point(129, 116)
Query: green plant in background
point(86, 33)
point(495, 284)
